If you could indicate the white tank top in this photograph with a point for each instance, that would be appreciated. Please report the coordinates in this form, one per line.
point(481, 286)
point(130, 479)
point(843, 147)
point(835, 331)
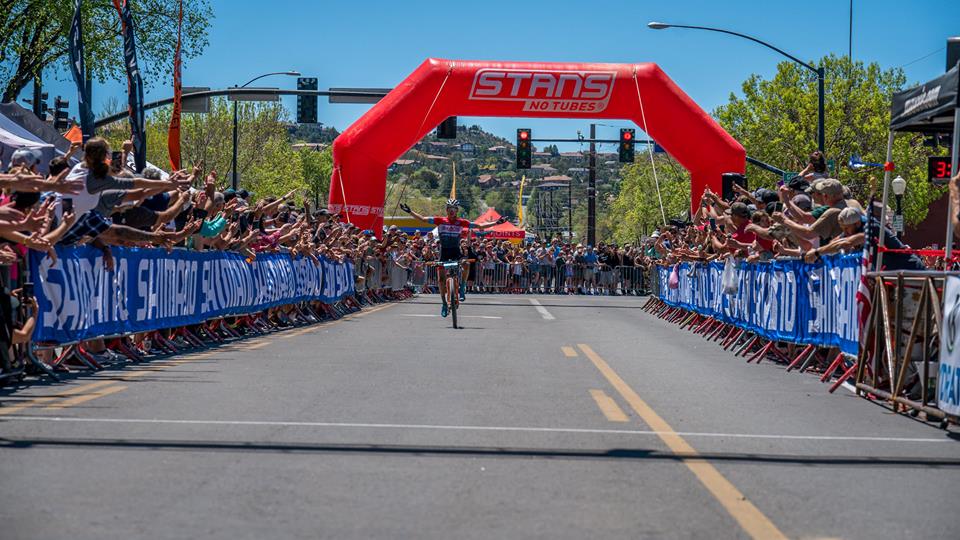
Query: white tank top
point(84, 201)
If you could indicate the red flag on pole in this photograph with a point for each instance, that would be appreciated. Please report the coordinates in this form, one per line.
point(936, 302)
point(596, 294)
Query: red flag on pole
point(74, 134)
point(173, 134)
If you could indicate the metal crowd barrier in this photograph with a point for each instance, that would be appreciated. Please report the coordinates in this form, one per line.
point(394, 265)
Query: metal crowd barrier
point(397, 276)
point(900, 342)
point(630, 279)
point(518, 278)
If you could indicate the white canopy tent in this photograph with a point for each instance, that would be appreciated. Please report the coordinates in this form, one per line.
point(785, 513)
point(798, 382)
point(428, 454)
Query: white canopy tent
point(14, 137)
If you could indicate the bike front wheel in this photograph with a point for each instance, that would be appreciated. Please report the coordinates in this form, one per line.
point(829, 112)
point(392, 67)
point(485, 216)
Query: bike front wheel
point(453, 290)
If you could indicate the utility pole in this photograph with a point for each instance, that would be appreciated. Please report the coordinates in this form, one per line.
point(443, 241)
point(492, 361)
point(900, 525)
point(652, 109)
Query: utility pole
point(570, 211)
point(592, 190)
point(37, 97)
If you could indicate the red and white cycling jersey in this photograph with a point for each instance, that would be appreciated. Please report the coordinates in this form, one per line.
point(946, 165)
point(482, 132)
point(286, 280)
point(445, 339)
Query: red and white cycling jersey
point(449, 231)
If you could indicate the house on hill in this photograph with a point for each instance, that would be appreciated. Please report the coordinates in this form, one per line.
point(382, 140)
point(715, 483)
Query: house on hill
point(487, 180)
point(466, 148)
point(542, 169)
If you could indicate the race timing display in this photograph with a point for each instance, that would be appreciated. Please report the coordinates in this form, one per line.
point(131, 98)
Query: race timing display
point(939, 170)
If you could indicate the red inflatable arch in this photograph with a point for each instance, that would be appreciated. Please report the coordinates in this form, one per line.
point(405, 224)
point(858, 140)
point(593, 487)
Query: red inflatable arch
point(442, 88)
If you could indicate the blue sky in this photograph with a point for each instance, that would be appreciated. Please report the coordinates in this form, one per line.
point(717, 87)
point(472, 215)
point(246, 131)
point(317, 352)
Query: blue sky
point(377, 43)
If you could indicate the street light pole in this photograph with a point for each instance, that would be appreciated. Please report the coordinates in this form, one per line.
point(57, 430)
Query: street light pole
point(819, 71)
point(234, 178)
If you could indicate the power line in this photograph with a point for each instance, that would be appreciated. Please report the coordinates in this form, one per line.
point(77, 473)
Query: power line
point(924, 57)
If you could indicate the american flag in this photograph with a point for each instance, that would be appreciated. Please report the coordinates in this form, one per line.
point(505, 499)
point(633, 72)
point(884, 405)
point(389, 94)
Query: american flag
point(864, 296)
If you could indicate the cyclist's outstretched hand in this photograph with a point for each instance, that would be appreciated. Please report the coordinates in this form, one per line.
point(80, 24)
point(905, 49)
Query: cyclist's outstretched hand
point(405, 207)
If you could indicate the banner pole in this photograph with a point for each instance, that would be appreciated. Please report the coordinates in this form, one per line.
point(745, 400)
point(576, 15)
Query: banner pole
point(887, 169)
point(951, 211)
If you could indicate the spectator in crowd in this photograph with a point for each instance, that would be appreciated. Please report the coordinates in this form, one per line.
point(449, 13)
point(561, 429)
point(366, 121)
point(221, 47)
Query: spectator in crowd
point(828, 195)
point(816, 168)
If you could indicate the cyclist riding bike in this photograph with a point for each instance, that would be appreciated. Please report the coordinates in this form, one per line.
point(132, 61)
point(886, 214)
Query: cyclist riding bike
point(449, 229)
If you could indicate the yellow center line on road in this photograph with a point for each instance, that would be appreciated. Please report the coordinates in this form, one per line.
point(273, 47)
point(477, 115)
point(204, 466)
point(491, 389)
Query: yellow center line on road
point(108, 379)
point(84, 398)
point(47, 399)
point(609, 407)
point(26, 404)
point(105, 379)
point(569, 352)
point(750, 518)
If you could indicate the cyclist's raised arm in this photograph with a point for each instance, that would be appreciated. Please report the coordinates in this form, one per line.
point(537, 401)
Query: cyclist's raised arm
point(489, 224)
point(425, 219)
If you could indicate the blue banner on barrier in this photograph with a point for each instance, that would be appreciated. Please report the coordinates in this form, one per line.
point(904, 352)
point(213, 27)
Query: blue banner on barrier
point(151, 289)
point(792, 301)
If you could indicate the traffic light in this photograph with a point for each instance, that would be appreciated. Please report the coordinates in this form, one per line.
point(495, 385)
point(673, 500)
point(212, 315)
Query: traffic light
point(627, 136)
point(41, 110)
point(447, 129)
point(61, 118)
point(306, 105)
point(524, 149)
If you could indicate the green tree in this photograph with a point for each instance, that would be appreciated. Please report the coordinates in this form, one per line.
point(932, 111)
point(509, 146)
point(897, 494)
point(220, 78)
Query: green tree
point(317, 168)
point(209, 137)
point(503, 200)
point(278, 170)
point(267, 162)
point(424, 179)
point(34, 36)
point(775, 120)
point(635, 210)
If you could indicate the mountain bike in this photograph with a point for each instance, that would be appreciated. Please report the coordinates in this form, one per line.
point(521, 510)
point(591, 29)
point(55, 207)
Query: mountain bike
point(452, 276)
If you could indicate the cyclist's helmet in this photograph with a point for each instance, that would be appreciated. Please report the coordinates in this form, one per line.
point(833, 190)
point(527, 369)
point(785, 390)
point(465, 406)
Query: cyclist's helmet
point(453, 203)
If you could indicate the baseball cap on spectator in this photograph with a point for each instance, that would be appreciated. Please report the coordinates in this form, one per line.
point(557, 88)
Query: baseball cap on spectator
point(802, 201)
point(739, 209)
point(243, 194)
point(849, 216)
point(828, 186)
point(25, 156)
point(798, 183)
point(766, 196)
point(229, 194)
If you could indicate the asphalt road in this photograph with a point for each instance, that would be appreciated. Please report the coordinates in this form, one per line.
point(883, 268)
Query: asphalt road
point(582, 417)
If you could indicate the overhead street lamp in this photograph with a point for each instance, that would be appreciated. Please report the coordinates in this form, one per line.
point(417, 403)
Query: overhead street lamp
point(234, 178)
point(819, 71)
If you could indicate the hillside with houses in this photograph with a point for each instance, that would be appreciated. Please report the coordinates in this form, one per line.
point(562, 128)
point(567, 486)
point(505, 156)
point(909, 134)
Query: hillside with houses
point(486, 171)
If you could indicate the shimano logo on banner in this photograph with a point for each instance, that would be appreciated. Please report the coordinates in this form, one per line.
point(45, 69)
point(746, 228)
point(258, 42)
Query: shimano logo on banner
point(546, 91)
point(923, 100)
